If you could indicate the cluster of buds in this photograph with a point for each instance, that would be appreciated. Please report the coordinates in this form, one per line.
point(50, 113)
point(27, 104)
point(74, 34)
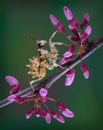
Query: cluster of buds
point(80, 41)
point(40, 99)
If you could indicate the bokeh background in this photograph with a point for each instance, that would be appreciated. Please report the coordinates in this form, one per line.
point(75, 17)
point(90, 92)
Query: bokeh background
point(84, 97)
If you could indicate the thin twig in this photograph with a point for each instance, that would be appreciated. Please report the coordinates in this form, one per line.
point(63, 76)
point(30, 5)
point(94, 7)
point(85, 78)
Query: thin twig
point(47, 83)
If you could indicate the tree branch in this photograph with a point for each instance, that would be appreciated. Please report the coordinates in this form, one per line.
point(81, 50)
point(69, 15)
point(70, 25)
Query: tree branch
point(47, 83)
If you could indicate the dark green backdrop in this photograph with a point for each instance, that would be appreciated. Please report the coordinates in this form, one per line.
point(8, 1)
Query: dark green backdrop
point(84, 97)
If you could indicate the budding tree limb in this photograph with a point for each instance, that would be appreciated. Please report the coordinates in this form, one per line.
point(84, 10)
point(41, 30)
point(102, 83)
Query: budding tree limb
point(48, 82)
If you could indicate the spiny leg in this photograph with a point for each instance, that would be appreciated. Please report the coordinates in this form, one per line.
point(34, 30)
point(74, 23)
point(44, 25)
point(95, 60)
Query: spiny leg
point(34, 81)
point(59, 44)
point(50, 39)
point(60, 66)
point(56, 43)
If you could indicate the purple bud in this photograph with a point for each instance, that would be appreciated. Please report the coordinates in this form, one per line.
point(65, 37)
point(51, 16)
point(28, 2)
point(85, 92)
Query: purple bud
point(70, 75)
point(38, 112)
point(54, 20)
point(13, 83)
point(84, 21)
point(46, 115)
point(56, 23)
point(88, 30)
point(70, 52)
point(48, 118)
point(85, 70)
point(61, 119)
point(86, 33)
point(74, 29)
point(67, 54)
point(11, 98)
point(73, 38)
point(29, 113)
point(61, 106)
point(73, 23)
point(68, 113)
point(58, 117)
point(67, 12)
point(65, 111)
point(64, 60)
point(43, 92)
point(14, 98)
point(18, 100)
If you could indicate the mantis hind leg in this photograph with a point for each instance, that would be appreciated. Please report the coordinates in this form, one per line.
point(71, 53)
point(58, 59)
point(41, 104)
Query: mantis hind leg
point(34, 81)
point(60, 66)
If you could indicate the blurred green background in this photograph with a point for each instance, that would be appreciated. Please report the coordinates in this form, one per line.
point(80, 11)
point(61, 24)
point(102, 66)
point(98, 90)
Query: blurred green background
point(84, 97)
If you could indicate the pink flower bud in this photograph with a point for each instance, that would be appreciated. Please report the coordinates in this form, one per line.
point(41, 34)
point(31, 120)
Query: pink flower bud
point(70, 52)
point(13, 83)
point(43, 92)
point(65, 111)
point(38, 112)
point(14, 98)
point(86, 33)
point(46, 115)
point(29, 113)
point(84, 21)
point(18, 100)
point(73, 24)
point(70, 75)
point(88, 30)
point(67, 54)
point(48, 118)
point(85, 70)
point(64, 60)
point(56, 23)
point(11, 98)
point(68, 113)
point(74, 29)
point(67, 12)
point(58, 117)
point(73, 38)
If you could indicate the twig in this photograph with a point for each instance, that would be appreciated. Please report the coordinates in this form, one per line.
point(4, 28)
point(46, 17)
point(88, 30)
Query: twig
point(47, 83)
